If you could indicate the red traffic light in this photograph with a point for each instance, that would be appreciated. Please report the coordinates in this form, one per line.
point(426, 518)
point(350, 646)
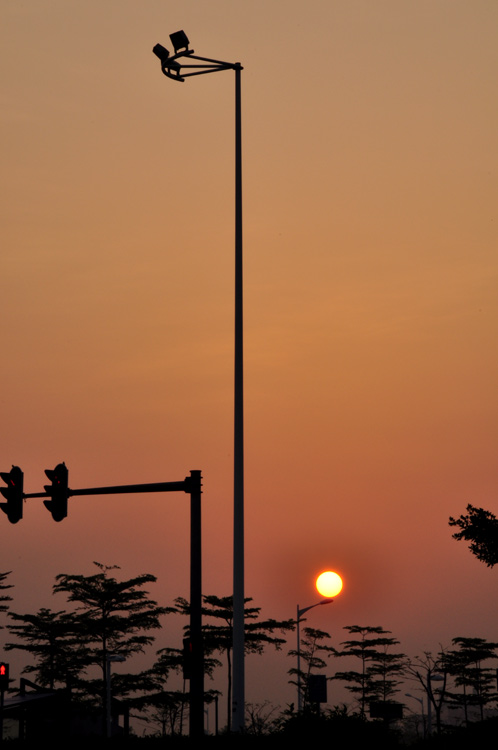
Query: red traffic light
point(4, 676)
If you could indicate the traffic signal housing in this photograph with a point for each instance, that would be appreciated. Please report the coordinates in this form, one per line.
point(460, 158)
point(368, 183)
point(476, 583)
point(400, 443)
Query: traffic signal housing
point(58, 491)
point(4, 676)
point(187, 653)
point(13, 492)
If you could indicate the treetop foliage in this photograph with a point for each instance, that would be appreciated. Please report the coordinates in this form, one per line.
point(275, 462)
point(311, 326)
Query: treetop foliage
point(218, 635)
point(367, 645)
point(51, 638)
point(5, 598)
point(480, 528)
point(100, 594)
point(378, 678)
point(116, 613)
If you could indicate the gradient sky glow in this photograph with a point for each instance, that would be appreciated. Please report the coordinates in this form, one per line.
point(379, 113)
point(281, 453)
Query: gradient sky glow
point(371, 311)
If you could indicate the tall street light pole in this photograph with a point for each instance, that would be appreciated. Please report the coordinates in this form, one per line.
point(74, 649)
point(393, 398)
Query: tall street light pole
point(182, 64)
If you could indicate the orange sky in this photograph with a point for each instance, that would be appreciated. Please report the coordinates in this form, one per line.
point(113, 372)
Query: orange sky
point(370, 193)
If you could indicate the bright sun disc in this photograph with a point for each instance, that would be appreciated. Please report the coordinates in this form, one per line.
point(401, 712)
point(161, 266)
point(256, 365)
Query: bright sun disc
point(329, 583)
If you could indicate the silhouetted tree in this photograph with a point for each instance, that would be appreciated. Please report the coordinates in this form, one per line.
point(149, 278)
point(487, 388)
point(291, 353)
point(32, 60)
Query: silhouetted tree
point(387, 668)
point(480, 528)
point(168, 707)
point(61, 653)
point(218, 636)
point(114, 618)
point(312, 647)
point(377, 678)
point(4, 598)
point(465, 665)
point(426, 670)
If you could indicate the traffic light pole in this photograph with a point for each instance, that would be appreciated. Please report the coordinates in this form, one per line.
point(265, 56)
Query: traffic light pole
point(4, 685)
point(192, 486)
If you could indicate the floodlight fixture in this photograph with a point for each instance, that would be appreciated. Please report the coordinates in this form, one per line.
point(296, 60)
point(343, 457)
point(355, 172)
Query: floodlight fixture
point(169, 66)
point(161, 52)
point(179, 40)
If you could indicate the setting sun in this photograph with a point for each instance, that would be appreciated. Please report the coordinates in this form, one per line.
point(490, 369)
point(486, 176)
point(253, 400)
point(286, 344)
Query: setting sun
point(329, 583)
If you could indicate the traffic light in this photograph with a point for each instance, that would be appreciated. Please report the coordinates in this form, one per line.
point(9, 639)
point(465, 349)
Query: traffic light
point(58, 491)
point(4, 676)
point(187, 658)
point(13, 492)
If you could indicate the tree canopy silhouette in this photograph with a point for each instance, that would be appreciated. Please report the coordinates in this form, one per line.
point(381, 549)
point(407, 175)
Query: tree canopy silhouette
point(311, 649)
point(109, 618)
point(5, 598)
point(218, 635)
point(380, 668)
point(480, 528)
point(60, 652)
point(430, 671)
point(476, 682)
point(113, 618)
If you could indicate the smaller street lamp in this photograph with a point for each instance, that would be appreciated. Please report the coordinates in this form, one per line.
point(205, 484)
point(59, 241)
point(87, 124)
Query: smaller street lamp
point(428, 688)
point(298, 621)
point(420, 700)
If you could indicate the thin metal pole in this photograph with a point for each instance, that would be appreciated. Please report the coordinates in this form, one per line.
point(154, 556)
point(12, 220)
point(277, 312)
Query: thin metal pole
point(298, 621)
point(2, 701)
point(108, 696)
point(196, 715)
point(238, 701)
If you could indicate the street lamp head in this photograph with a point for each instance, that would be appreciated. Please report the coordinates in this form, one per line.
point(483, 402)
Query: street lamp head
point(182, 57)
point(169, 66)
point(179, 40)
point(161, 52)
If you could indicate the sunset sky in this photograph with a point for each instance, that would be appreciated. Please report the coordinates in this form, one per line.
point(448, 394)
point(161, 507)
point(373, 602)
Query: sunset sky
point(370, 155)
